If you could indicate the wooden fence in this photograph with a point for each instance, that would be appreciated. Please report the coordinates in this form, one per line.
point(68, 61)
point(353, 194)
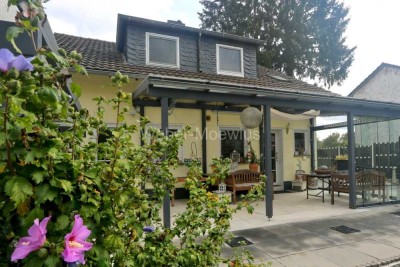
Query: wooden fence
point(381, 156)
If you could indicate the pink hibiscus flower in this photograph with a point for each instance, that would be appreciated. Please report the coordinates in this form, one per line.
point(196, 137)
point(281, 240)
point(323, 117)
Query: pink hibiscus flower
point(75, 244)
point(35, 240)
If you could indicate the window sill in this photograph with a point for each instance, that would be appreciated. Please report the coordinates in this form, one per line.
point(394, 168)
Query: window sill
point(304, 155)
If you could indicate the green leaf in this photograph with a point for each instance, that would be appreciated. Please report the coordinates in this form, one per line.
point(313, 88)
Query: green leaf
point(32, 215)
point(18, 189)
point(58, 59)
point(66, 185)
point(45, 192)
point(13, 33)
point(2, 138)
point(62, 222)
point(81, 69)
point(52, 260)
point(48, 95)
point(114, 242)
point(76, 89)
point(38, 176)
point(34, 262)
point(88, 210)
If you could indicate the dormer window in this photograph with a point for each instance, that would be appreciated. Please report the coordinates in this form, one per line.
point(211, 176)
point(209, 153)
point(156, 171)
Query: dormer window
point(162, 50)
point(230, 60)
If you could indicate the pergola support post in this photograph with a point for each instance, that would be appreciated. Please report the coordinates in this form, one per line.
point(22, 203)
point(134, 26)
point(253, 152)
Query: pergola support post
point(352, 160)
point(204, 140)
point(164, 129)
point(312, 145)
point(268, 161)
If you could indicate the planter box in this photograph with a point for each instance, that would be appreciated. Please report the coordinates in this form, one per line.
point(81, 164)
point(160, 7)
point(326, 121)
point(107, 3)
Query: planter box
point(342, 165)
point(299, 186)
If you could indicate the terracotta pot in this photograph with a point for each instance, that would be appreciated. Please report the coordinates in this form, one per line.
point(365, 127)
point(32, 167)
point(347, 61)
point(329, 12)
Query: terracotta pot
point(253, 167)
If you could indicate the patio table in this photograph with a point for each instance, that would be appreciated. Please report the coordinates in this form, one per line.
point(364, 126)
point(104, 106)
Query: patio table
point(325, 185)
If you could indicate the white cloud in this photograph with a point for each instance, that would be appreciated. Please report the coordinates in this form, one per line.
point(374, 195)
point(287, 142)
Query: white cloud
point(98, 19)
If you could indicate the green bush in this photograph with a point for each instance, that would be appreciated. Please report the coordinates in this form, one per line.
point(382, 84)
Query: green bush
point(47, 172)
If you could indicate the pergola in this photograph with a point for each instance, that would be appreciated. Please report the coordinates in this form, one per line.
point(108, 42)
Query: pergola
point(157, 90)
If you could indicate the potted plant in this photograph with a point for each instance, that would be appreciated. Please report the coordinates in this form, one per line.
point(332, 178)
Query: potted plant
point(252, 158)
point(342, 162)
point(219, 171)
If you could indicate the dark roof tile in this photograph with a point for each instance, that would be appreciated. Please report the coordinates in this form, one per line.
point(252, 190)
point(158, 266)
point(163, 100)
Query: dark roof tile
point(103, 56)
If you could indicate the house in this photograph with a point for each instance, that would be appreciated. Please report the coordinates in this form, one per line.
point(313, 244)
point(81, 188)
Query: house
point(172, 50)
point(187, 76)
point(383, 84)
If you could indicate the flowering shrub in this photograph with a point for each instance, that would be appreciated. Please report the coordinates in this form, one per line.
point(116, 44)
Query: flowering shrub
point(35, 240)
point(53, 176)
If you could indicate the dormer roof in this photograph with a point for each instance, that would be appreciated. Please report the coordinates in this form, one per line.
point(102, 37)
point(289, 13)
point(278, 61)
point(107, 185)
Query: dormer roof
point(124, 20)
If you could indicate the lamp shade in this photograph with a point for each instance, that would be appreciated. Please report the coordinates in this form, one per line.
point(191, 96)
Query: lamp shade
point(251, 117)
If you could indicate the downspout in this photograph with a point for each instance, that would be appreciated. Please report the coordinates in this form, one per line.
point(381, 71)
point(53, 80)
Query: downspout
point(198, 53)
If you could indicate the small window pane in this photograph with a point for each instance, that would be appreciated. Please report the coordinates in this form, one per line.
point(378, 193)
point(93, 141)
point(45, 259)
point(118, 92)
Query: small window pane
point(162, 50)
point(232, 140)
point(230, 59)
point(299, 143)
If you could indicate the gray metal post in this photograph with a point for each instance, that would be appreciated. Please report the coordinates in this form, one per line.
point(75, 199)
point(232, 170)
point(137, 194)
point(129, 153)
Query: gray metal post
point(141, 112)
point(204, 140)
point(268, 161)
point(312, 144)
point(164, 129)
point(352, 157)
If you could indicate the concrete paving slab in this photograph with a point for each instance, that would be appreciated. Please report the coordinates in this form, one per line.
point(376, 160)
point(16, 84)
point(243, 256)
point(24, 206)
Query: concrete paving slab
point(345, 256)
point(392, 240)
point(374, 249)
point(306, 259)
point(291, 244)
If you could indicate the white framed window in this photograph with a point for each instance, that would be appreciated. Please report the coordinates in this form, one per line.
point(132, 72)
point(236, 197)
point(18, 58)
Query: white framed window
point(232, 138)
point(230, 60)
point(301, 142)
point(162, 50)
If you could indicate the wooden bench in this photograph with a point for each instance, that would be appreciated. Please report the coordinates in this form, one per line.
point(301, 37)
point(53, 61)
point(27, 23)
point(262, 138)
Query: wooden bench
point(242, 180)
point(366, 180)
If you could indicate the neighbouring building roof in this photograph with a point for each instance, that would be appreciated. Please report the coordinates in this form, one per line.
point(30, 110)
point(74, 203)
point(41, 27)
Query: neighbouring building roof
point(373, 74)
point(103, 56)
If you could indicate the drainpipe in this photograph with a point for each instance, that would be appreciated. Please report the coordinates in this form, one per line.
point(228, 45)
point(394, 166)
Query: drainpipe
point(198, 53)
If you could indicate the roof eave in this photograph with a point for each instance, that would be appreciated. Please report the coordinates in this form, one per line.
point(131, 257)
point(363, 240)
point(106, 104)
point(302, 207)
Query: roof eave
point(172, 87)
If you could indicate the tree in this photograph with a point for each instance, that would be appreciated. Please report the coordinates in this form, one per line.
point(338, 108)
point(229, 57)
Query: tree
point(302, 38)
point(334, 140)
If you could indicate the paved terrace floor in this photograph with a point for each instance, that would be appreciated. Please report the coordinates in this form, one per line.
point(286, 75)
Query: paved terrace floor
point(299, 234)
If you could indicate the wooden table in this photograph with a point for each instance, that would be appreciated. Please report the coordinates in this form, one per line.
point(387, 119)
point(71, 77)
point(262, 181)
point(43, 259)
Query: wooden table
point(325, 178)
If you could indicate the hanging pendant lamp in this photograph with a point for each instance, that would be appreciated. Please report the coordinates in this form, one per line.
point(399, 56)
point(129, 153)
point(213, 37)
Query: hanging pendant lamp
point(251, 117)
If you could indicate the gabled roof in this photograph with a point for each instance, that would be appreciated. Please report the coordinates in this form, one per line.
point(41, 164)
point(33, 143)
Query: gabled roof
point(103, 56)
point(375, 72)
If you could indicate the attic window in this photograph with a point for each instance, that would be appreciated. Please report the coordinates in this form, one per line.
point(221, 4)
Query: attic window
point(230, 60)
point(162, 50)
point(279, 78)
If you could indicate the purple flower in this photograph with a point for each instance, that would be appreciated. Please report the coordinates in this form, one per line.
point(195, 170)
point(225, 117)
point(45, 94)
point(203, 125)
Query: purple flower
point(9, 61)
point(35, 240)
point(149, 229)
point(75, 244)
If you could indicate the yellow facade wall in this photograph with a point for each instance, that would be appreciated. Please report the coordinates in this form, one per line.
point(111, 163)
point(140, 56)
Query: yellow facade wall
point(96, 85)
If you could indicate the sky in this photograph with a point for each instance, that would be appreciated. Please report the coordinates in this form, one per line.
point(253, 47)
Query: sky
point(373, 26)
